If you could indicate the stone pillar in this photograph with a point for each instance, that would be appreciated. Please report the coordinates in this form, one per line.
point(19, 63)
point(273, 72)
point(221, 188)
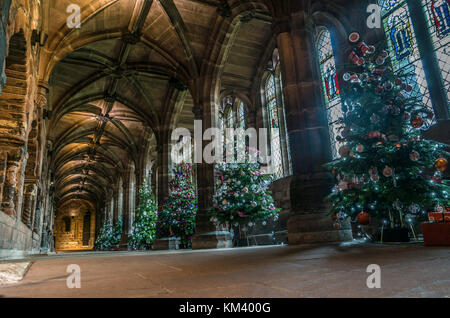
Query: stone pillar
point(116, 203)
point(307, 127)
point(126, 212)
point(207, 235)
point(10, 184)
point(28, 204)
point(3, 165)
point(163, 170)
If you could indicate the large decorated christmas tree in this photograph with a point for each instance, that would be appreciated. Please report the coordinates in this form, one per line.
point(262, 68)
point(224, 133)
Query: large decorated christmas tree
point(386, 168)
point(144, 227)
point(242, 197)
point(176, 217)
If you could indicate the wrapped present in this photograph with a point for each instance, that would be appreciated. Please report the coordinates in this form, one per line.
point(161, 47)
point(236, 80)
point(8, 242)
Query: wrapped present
point(437, 217)
point(436, 234)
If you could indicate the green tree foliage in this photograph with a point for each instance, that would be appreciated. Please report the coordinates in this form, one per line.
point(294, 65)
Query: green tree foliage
point(242, 196)
point(386, 167)
point(176, 217)
point(110, 235)
point(144, 227)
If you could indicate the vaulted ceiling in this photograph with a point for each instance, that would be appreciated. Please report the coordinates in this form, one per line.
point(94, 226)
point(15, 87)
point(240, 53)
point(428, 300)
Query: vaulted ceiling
point(122, 79)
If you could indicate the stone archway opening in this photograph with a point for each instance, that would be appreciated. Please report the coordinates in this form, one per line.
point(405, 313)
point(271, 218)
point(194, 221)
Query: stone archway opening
point(75, 226)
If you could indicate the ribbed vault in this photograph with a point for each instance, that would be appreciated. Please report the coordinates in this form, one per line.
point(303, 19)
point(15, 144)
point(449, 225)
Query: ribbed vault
point(129, 74)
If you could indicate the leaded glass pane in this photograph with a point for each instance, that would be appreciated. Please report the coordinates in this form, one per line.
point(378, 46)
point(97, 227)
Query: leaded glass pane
point(404, 53)
point(272, 110)
point(287, 136)
point(330, 85)
point(241, 115)
point(438, 18)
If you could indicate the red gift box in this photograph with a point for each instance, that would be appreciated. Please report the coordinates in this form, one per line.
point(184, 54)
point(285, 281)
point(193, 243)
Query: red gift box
point(436, 234)
point(437, 217)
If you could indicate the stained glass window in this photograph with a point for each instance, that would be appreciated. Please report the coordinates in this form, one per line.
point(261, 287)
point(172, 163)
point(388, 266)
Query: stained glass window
point(273, 100)
point(181, 153)
point(274, 122)
point(231, 115)
point(330, 85)
point(402, 44)
point(287, 137)
point(438, 19)
point(241, 115)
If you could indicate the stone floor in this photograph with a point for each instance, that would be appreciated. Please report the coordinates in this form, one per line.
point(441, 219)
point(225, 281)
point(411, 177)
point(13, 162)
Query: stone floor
point(278, 271)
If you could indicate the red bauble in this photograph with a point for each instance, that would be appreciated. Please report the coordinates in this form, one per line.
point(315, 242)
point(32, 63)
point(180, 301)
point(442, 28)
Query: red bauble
point(417, 122)
point(354, 37)
point(344, 151)
point(374, 134)
point(363, 218)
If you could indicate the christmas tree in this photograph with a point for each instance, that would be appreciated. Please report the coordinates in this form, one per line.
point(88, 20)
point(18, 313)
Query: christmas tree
point(109, 236)
point(386, 168)
point(144, 227)
point(176, 217)
point(242, 197)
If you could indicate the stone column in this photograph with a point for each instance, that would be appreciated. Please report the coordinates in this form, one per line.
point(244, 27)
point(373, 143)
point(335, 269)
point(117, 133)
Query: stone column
point(163, 170)
point(126, 212)
point(116, 203)
point(307, 127)
point(207, 235)
point(28, 204)
point(10, 184)
point(3, 165)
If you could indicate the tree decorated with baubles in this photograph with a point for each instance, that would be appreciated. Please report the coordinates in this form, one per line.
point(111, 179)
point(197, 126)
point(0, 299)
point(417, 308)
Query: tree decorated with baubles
point(386, 168)
point(144, 227)
point(242, 197)
point(109, 235)
point(176, 216)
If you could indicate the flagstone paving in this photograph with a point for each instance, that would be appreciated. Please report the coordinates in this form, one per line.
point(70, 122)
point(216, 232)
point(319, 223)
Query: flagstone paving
point(334, 270)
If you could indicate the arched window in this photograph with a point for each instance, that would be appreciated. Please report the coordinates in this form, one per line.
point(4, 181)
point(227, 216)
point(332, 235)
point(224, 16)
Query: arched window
point(181, 153)
point(67, 224)
point(273, 100)
point(231, 115)
point(330, 87)
point(430, 19)
point(274, 124)
point(438, 18)
point(402, 43)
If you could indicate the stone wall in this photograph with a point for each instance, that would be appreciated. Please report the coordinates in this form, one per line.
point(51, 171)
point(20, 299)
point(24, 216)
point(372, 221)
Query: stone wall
point(20, 173)
point(16, 239)
point(73, 239)
point(4, 16)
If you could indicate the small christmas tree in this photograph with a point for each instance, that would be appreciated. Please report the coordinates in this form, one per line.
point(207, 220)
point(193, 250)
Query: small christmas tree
point(109, 236)
point(242, 197)
point(144, 227)
point(176, 217)
point(104, 238)
point(385, 164)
